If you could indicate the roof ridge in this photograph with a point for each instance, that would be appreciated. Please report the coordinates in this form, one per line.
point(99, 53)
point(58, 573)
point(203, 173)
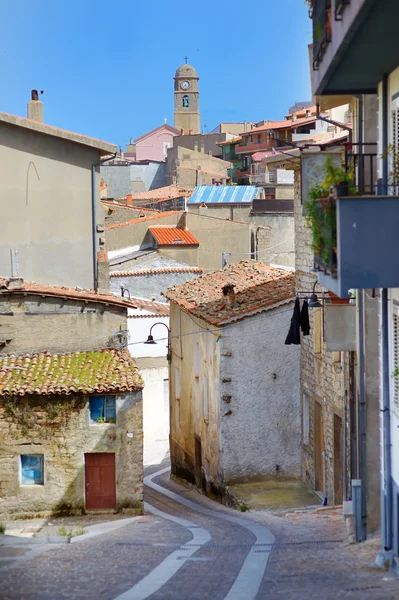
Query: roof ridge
point(143, 219)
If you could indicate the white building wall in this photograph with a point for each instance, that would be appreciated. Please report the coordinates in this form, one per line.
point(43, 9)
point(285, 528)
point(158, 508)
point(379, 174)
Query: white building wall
point(260, 386)
point(139, 329)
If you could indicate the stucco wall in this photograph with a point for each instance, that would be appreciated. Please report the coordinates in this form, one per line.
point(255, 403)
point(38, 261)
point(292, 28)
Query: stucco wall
point(154, 145)
point(187, 419)
point(123, 236)
point(260, 398)
point(59, 429)
point(179, 157)
point(150, 286)
point(280, 239)
point(133, 178)
point(46, 197)
point(55, 325)
point(155, 373)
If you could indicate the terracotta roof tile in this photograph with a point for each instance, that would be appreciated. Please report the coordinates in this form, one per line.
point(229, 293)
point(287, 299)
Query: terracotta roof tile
point(114, 203)
point(173, 236)
point(101, 371)
point(61, 291)
point(160, 309)
point(158, 271)
point(169, 191)
point(148, 218)
point(285, 124)
point(257, 287)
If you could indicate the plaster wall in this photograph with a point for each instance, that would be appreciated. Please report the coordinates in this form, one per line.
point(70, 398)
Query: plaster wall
point(260, 398)
point(189, 419)
point(179, 157)
point(139, 329)
point(123, 179)
point(124, 236)
point(46, 201)
point(155, 373)
point(120, 214)
point(202, 142)
point(56, 324)
point(154, 145)
point(186, 254)
point(150, 286)
point(63, 435)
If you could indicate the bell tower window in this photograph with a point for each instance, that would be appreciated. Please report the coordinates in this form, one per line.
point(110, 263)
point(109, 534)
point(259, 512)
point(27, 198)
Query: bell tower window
point(186, 102)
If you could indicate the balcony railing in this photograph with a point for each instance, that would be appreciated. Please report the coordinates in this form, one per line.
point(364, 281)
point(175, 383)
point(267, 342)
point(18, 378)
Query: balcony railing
point(340, 6)
point(321, 16)
point(361, 159)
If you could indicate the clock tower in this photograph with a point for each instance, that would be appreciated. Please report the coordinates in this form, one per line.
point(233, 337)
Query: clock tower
point(187, 114)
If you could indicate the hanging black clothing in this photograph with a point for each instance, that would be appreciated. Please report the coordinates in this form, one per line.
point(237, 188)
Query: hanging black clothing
point(294, 336)
point(305, 324)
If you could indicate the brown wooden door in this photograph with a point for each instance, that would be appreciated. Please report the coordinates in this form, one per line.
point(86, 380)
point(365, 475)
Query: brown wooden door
point(318, 447)
point(338, 459)
point(100, 480)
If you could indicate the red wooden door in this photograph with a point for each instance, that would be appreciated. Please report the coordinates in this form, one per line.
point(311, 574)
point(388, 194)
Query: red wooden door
point(100, 480)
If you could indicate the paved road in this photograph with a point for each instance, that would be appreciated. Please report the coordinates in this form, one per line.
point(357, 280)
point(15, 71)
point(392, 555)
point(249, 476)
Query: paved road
point(193, 548)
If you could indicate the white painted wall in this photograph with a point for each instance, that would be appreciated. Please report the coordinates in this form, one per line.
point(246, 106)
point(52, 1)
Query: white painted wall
point(139, 329)
point(264, 427)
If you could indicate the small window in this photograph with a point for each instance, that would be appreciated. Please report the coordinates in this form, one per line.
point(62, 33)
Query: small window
point(205, 395)
point(32, 469)
point(102, 409)
point(177, 383)
point(166, 396)
point(196, 359)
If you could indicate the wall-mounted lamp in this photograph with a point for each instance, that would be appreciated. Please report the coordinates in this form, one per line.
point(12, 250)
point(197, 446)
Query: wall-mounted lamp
point(313, 300)
point(150, 339)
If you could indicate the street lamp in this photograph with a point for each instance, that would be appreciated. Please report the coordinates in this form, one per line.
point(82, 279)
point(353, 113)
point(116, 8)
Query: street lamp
point(150, 339)
point(313, 300)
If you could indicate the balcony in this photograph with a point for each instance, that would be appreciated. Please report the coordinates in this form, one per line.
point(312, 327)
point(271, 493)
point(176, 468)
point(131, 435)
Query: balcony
point(356, 246)
point(354, 42)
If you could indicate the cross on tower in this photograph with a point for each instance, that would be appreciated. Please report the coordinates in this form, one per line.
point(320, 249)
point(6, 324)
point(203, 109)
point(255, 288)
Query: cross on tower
point(186, 59)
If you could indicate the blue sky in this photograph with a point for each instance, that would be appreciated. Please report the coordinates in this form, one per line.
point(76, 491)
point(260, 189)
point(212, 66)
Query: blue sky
point(107, 68)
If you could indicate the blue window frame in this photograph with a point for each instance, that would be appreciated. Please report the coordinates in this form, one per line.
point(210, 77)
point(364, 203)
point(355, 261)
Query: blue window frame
point(32, 469)
point(102, 409)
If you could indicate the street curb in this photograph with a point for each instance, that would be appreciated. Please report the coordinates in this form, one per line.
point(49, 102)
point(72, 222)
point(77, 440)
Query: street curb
point(13, 540)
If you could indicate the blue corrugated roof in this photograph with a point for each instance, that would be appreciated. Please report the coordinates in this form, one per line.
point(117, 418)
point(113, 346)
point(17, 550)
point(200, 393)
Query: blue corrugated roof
point(223, 194)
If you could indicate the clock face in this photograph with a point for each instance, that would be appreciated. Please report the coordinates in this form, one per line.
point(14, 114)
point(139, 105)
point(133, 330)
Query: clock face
point(185, 85)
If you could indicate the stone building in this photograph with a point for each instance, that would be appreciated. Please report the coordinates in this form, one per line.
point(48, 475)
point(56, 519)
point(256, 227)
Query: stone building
point(233, 415)
point(51, 183)
point(70, 401)
point(187, 111)
point(189, 168)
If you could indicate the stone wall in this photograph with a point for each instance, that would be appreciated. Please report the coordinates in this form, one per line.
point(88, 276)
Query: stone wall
point(58, 428)
point(34, 323)
point(321, 372)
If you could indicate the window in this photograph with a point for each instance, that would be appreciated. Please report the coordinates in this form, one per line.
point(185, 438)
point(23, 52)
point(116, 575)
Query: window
point(305, 419)
point(32, 469)
point(177, 383)
point(196, 359)
point(102, 409)
point(205, 395)
point(186, 102)
point(166, 396)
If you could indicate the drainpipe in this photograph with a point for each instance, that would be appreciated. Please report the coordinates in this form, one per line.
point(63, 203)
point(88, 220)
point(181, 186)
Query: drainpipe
point(93, 215)
point(386, 489)
point(361, 137)
point(362, 416)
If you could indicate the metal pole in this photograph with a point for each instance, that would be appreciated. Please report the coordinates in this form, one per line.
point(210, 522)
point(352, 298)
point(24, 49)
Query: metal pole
point(386, 491)
point(362, 413)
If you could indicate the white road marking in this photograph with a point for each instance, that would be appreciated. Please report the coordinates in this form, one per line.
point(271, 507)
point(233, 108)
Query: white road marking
point(168, 567)
point(249, 578)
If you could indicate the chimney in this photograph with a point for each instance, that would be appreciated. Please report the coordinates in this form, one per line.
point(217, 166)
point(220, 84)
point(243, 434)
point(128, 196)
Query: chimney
point(293, 117)
point(35, 107)
point(196, 146)
point(15, 283)
point(229, 294)
point(182, 132)
point(308, 113)
point(190, 131)
point(122, 153)
point(129, 200)
point(202, 147)
point(102, 272)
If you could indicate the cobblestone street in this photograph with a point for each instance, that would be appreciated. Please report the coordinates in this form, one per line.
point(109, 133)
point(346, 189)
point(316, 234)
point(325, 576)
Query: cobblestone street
point(309, 558)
